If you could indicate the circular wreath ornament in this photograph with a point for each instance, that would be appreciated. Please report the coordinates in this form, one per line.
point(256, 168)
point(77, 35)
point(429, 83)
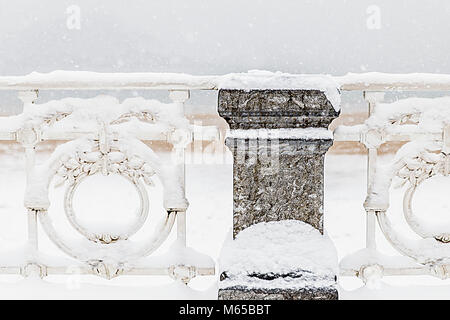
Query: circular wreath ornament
point(415, 171)
point(75, 166)
point(412, 169)
point(106, 237)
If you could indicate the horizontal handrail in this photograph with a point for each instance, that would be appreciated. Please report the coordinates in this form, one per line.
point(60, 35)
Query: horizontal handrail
point(199, 133)
point(377, 81)
point(74, 80)
point(84, 80)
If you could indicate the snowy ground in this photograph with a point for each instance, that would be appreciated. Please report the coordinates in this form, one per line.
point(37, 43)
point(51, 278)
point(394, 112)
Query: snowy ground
point(209, 190)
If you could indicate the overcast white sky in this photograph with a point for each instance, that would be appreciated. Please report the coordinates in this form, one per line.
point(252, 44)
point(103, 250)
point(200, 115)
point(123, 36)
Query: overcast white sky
point(216, 37)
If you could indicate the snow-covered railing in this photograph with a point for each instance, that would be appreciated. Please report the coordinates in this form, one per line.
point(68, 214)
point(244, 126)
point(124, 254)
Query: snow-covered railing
point(423, 124)
point(105, 137)
point(377, 81)
point(279, 114)
point(85, 80)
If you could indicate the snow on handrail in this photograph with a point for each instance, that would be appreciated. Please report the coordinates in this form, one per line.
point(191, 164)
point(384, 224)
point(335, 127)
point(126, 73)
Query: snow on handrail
point(73, 80)
point(377, 81)
point(86, 80)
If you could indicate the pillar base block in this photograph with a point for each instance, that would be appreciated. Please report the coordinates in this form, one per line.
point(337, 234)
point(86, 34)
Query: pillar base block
point(306, 293)
point(286, 259)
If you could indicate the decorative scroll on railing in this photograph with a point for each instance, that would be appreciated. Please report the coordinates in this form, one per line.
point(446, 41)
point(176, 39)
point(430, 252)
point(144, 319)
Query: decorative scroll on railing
point(105, 137)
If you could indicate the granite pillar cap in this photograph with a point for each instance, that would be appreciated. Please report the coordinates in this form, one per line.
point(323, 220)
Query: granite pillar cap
point(273, 109)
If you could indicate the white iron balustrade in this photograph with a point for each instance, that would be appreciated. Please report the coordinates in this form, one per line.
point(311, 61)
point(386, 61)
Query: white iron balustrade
point(115, 147)
point(112, 143)
point(423, 124)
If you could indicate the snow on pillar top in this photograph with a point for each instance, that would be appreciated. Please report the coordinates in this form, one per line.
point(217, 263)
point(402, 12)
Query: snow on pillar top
point(265, 80)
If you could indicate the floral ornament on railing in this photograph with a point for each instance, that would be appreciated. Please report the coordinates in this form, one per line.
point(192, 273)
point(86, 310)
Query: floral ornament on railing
point(409, 118)
point(143, 116)
point(415, 169)
point(104, 156)
point(51, 119)
point(113, 162)
point(425, 165)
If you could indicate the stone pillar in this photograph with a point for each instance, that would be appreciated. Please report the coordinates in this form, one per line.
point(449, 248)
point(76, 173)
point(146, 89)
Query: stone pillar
point(278, 139)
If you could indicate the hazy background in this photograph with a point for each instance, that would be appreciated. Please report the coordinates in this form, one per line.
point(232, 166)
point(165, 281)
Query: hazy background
point(217, 37)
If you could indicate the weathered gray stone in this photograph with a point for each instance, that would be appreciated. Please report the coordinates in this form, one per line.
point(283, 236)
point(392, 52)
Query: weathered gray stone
point(277, 178)
point(298, 285)
point(273, 109)
point(316, 293)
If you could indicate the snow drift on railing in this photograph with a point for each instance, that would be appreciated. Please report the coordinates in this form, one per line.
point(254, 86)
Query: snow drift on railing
point(76, 114)
point(425, 113)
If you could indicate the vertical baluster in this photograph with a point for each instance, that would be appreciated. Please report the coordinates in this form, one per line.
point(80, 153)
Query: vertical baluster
point(372, 99)
point(29, 137)
point(179, 97)
point(32, 229)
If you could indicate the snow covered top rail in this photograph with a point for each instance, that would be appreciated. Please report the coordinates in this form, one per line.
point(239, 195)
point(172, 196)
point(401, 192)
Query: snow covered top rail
point(373, 81)
point(73, 80)
point(376, 81)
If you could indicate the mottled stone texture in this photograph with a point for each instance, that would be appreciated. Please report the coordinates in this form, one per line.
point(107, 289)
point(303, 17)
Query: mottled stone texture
point(273, 109)
point(277, 179)
point(243, 293)
point(297, 285)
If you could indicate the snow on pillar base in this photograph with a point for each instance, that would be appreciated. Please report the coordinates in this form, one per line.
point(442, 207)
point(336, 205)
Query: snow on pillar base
point(278, 139)
point(321, 293)
point(279, 260)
